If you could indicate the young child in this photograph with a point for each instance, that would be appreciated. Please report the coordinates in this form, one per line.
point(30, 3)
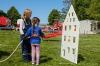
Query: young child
point(35, 33)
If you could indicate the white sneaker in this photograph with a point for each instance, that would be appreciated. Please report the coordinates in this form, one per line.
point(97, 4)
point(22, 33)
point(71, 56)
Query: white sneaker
point(37, 64)
point(33, 63)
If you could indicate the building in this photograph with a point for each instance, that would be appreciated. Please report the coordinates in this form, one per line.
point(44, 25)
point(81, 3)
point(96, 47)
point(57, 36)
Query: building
point(89, 27)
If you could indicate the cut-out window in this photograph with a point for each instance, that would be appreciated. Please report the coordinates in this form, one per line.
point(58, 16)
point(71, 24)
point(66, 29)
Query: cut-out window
point(74, 27)
point(70, 20)
point(74, 39)
point(64, 38)
point(73, 50)
point(68, 49)
point(69, 27)
point(65, 27)
point(69, 14)
point(63, 52)
point(72, 13)
point(73, 19)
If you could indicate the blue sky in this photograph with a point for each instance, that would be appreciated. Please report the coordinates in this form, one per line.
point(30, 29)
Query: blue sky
point(40, 8)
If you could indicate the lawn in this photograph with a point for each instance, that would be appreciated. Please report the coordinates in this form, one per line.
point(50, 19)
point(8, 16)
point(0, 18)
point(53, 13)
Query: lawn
point(89, 51)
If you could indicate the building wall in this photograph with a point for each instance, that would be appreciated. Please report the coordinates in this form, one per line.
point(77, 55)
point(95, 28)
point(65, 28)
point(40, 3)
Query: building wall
point(87, 27)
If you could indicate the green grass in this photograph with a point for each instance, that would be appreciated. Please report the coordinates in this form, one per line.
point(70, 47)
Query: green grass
point(89, 51)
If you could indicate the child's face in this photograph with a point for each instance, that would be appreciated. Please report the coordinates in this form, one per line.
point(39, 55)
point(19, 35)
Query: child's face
point(34, 22)
point(28, 14)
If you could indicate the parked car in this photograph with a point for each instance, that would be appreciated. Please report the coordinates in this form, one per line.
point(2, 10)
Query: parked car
point(7, 28)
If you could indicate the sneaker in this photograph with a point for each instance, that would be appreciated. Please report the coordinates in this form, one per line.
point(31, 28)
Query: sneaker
point(37, 64)
point(33, 63)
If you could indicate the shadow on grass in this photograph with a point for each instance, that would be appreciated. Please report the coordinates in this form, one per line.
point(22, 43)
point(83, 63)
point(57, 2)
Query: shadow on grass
point(44, 59)
point(80, 58)
point(3, 53)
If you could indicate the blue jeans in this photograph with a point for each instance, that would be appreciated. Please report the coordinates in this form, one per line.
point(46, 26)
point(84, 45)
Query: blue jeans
point(26, 49)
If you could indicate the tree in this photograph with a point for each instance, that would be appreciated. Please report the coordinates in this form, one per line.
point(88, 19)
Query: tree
point(65, 9)
point(54, 14)
point(13, 15)
point(94, 10)
point(2, 13)
point(80, 7)
point(66, 4)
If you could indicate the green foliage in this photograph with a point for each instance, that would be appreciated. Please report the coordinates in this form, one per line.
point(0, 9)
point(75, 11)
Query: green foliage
point(66, 4)
point(94, 10)
point(80, 7)
point(13, 14)
point(2, 13)
point(65, 9)
point(54, 14)
point(86, 9)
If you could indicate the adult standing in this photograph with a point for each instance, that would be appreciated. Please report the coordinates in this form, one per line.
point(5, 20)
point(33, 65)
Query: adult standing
point(25, 24)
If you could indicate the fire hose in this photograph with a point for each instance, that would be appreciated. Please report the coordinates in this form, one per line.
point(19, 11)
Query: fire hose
point(11, 53)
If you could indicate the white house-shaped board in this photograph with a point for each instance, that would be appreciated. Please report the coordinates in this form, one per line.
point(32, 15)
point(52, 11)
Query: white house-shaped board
point(70, 36)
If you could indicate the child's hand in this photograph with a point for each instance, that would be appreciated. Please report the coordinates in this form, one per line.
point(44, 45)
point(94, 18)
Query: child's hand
point(34, 35)
point(28, 37)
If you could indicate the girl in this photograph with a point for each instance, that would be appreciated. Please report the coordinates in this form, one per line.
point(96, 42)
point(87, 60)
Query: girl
point(35, 33)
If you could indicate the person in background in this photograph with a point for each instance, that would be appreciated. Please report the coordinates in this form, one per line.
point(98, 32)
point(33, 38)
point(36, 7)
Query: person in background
point(24, 25)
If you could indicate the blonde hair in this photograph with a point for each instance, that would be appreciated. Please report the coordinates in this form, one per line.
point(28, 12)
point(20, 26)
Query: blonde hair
point(26, 11)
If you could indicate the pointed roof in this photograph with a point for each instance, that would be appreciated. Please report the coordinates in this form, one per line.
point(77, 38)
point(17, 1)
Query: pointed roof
point(71, 15)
